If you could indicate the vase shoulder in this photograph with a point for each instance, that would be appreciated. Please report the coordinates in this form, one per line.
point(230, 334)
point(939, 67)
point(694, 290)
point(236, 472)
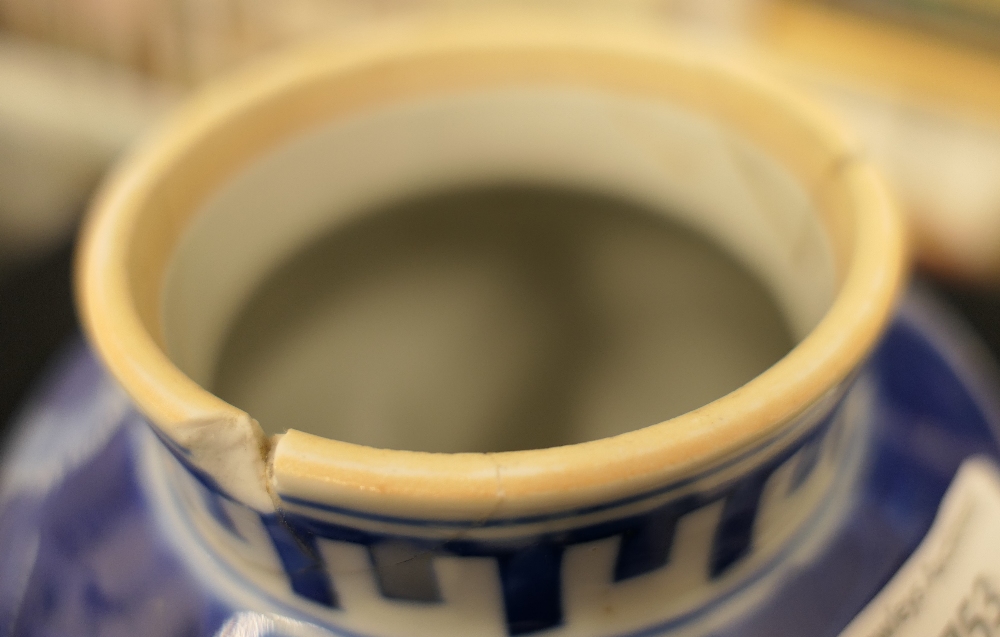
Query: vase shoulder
point(100, 518)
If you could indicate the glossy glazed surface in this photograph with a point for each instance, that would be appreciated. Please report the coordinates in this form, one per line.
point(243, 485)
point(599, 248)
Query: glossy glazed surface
point(324, 132)
point(103, 532)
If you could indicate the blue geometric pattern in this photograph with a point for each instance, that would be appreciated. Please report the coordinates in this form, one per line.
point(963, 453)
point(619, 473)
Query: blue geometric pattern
point(530, 567)
point(85, 549)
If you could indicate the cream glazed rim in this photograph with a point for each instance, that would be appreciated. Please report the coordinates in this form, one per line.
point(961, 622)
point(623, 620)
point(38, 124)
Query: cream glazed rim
point(140, 213)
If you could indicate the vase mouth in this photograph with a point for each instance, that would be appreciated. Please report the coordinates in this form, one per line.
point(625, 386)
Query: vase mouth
point(142, 211)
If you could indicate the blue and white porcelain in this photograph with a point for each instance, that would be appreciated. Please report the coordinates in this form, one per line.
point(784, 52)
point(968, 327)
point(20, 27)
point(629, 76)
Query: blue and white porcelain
point(136, 502)
point(105, 532)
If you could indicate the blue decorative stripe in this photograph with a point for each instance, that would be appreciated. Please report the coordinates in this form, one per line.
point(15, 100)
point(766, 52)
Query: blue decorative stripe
point(530, 579)
point(734, 533)
point(808, 457)
point(213, 503)
point(646, 547)
point(301, 561)
point(530, 565)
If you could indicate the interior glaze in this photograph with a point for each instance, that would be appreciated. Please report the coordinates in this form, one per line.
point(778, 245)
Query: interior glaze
point(512, 268)
point(497, 318)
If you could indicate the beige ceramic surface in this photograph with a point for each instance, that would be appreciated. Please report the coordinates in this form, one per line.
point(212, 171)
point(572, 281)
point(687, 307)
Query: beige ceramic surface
point(142, 212)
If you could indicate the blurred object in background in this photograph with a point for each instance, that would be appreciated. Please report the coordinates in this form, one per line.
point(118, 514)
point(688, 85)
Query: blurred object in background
point(63, 118)
point(920, 83)
point(80, 79)
point(190, 41)
point(186, 41)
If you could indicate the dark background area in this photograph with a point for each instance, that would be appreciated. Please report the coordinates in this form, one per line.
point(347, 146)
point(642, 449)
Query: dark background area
point(38, 318)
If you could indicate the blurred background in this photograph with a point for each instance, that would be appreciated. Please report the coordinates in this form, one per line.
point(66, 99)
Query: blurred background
point(80, 80)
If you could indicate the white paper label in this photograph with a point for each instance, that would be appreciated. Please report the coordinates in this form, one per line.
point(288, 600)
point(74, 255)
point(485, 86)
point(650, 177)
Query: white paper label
point(950, 586)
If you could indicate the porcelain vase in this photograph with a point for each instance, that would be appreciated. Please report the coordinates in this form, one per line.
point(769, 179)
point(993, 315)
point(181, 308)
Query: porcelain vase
point(849, 489)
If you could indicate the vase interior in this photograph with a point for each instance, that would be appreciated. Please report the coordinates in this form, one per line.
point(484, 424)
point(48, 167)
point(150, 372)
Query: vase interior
point(496, 270)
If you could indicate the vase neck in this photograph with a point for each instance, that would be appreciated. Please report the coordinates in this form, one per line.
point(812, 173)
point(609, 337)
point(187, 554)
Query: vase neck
point(661, 554)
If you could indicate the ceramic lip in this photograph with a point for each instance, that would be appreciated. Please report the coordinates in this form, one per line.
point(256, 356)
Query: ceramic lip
point(120, 268)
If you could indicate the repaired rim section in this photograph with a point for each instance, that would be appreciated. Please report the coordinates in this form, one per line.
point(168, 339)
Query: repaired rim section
point(141, 212)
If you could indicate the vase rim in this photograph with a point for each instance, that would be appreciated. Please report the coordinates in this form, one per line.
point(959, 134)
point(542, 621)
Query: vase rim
point(120, 270)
